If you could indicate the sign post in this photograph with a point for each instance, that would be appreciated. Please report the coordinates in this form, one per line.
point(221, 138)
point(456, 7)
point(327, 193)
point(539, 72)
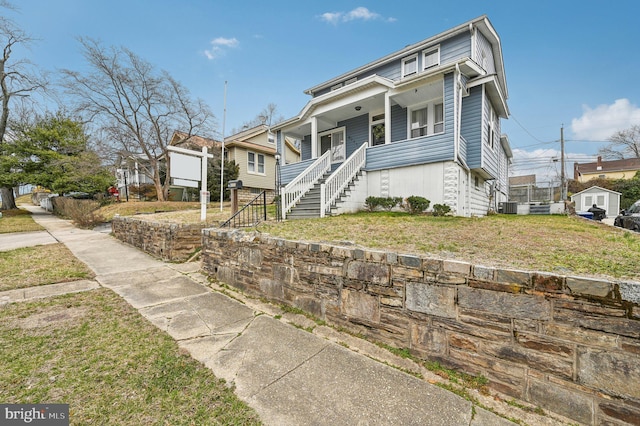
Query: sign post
point(184, 172)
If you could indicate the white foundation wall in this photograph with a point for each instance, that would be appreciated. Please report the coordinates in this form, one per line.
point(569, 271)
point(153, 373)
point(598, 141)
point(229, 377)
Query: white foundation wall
point(425, 180)
point(356, 197)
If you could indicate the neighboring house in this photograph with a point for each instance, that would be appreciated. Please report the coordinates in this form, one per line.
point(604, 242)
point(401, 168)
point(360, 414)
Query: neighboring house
point(523, 180)
point(131, 174)
point(614, 169)
point(195, 142)
point(135, 169)
point(254, 150)
point(423, 121)
point(601, 197)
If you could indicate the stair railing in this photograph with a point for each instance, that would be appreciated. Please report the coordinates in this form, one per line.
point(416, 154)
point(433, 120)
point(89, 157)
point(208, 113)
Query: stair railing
point(335, 184)
point(295, 190)
point(249, 215)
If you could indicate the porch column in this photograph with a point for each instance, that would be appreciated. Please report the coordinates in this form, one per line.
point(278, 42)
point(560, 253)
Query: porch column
point(314, 137)
point(387, 118)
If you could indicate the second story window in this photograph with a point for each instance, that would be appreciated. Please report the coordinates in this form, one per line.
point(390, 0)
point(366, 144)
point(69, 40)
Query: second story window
point(431, 58)
point(410, 65)
point(255, 163)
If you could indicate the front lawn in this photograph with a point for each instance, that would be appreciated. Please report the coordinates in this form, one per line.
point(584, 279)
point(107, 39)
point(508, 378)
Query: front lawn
point(96, 353)
point(18, 221)
point(556, 243)
point(40, 265)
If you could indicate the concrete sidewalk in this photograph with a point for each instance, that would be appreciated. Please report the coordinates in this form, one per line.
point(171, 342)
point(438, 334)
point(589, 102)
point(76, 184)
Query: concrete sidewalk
point(288, 375)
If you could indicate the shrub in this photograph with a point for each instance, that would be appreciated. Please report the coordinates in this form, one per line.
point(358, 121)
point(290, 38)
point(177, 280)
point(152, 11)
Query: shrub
point(441, 209)
point(82, 212)
point(416, 204)
point(372, 203)
point(387, 203)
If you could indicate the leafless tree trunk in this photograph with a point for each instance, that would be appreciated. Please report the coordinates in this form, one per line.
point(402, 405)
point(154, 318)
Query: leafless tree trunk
point(134, 107)
point(18, 79)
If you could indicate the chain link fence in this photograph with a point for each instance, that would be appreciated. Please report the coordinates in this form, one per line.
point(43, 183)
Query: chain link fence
point(545, 192)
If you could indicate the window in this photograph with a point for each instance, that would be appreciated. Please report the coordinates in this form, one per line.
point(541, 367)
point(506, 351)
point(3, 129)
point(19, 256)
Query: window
point(431, 58)
point(271, 138)
point(438, 125)
point(410, 65)
point(377, 129)
point(419, 122)
point(255, 163)
point(491, 128)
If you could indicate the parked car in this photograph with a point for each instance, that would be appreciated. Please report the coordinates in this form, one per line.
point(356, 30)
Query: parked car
point(630, 218)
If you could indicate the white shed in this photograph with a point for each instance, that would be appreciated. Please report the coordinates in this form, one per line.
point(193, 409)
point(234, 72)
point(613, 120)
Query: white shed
point(601, 197)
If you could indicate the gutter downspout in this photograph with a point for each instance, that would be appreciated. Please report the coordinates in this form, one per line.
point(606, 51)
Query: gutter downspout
point(457, 124)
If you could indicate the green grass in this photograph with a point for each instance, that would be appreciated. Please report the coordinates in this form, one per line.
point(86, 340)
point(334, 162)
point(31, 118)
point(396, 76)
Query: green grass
point(94, 352)
point(40, 265)
point(554, 243)
point(18, 221)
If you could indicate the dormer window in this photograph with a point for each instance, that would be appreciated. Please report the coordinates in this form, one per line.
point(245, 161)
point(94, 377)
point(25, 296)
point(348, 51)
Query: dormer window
point(410, 65)
point(431, 58)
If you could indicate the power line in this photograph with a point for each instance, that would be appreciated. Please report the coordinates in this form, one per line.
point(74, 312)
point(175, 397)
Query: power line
point(526, 131)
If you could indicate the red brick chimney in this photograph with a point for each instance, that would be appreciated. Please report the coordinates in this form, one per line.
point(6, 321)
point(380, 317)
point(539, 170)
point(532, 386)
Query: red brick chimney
point(599, 163)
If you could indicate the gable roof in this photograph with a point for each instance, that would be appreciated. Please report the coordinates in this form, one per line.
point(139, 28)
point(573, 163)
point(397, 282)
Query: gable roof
point(247, 133)
point(522, 180)
point(598, 188)
point(183, 139)
point(251, 146)
point(627, 164)
point(481, 23)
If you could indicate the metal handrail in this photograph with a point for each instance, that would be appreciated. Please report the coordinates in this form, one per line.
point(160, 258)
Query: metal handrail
point(250, 214)
point(335, 184)
point(295, 190)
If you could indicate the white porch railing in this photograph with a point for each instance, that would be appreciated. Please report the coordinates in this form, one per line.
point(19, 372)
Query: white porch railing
point(338, 181)
point(295, 189)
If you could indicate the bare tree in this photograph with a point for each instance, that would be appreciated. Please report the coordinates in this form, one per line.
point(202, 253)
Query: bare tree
point(135, 108)
point(18, 79)
point(269, 116)
point(624, 144)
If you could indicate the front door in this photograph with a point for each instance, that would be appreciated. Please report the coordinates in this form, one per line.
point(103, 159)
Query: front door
point(333, 141)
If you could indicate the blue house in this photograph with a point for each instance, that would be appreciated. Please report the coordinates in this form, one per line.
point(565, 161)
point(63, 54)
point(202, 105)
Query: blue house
point(424, 121)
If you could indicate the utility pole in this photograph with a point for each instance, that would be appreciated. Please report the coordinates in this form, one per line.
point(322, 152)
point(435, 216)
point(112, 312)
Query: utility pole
point(563, 191)
point(224, 119)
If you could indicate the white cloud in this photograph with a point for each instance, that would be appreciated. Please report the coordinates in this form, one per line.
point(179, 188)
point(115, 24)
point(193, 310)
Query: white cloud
point(332, 18)
point(359, 13)
point(601, 122)
point(218, 46)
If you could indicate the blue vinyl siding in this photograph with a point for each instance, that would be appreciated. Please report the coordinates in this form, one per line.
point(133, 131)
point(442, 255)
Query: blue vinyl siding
point(357, 132)
point(455, 48)
point(450, 50)
point(471, 129)
point(398, 123)
point(424, 150)
point(490, 155)
point(288, 172)
point(305, 148)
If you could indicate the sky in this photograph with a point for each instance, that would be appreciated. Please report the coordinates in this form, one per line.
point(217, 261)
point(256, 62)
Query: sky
point(570, 64)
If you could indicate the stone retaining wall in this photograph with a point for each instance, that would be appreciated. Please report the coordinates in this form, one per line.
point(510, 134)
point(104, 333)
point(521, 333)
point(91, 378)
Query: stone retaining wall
point(168, 241)
point(570, 345)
